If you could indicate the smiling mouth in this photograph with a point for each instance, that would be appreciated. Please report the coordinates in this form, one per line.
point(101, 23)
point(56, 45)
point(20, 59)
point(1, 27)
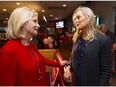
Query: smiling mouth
point(35, 28)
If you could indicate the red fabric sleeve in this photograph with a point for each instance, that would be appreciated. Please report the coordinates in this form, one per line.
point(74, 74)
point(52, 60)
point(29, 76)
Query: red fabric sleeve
point(51, 62)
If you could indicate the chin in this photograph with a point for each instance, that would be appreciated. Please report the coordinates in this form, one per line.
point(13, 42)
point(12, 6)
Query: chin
point(80, 29)
point(36, 33)
point(33, 34)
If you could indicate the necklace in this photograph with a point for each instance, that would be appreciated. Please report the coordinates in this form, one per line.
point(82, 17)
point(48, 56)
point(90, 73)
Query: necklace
point(35, 57)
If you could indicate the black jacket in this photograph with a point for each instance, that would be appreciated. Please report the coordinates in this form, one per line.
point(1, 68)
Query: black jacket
point(96, 63)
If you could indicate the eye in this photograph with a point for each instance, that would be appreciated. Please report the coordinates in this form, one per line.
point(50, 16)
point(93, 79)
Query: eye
point(35, 21)
point(78, 17)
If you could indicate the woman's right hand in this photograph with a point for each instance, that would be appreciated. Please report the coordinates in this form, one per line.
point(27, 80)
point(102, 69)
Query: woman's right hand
point(67, 74)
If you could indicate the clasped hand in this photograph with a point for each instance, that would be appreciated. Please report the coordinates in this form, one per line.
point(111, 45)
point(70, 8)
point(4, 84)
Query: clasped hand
point(67, 75)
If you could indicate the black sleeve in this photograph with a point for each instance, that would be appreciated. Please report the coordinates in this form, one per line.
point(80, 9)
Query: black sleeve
point(105, 62)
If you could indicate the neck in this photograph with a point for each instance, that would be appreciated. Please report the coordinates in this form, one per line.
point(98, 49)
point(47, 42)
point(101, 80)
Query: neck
point(84, 34)
point(25, 42)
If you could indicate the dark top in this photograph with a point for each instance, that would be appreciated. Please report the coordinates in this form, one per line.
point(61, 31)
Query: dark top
point(79, 55)
point(96, 64)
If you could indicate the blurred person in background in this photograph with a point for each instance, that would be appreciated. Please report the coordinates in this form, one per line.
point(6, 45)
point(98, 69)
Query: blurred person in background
point(109, 34)
point(42, 37)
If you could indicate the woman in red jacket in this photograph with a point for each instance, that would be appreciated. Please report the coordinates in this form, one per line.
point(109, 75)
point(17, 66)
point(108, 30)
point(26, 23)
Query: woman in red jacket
point(20, 62)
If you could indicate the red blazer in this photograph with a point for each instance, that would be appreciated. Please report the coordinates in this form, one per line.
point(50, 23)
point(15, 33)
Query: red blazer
point(18, 68)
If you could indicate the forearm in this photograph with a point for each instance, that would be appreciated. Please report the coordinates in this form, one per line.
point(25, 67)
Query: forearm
point(51, 62)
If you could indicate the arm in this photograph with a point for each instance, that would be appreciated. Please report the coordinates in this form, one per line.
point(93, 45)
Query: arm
point(68, 69)
point(105, 62)
point(7, 67)
point(54, 63)
point(51, 62)
point(46, 60)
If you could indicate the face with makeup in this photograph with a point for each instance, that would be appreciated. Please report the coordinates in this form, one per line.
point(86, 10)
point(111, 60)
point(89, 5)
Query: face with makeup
point(23, 24)
point(80, 20)
point(30, 28)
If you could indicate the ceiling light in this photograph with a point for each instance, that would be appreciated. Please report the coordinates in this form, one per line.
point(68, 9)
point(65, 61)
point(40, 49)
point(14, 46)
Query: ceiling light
point(18, 3)
point(43, 10)
point(4, 9)
point(64, 5)
point(51, 15)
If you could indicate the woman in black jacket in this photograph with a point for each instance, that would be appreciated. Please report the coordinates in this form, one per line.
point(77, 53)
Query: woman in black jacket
point(91, 58)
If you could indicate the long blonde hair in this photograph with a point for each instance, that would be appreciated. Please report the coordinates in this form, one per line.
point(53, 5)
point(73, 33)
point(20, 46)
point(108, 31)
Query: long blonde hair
point(17, 18)
point(91, 26)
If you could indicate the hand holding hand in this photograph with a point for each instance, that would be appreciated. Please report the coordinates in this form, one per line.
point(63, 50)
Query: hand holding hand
point(67, 75)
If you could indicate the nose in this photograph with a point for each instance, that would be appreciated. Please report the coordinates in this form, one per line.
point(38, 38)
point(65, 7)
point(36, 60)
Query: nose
point(38, 26)
point(76, 20)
